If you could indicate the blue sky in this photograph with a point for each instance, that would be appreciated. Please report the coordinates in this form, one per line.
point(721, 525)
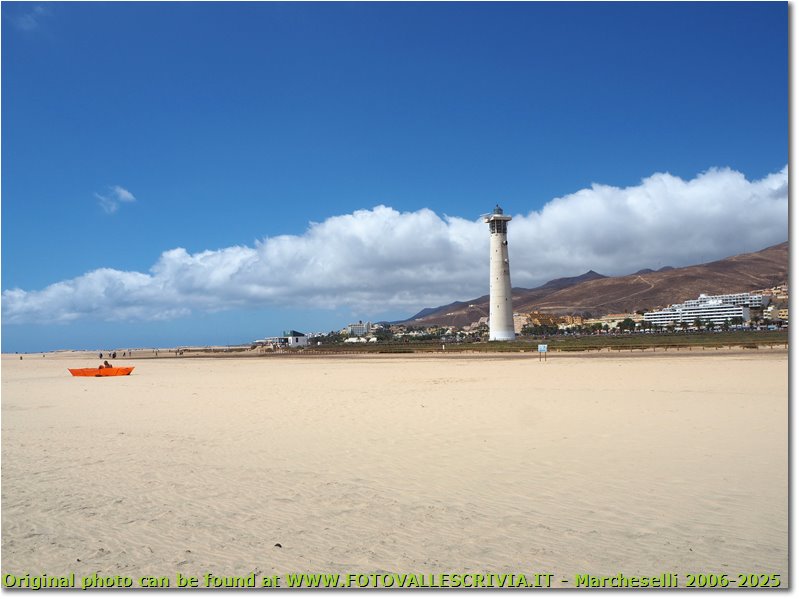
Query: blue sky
point(163, 163)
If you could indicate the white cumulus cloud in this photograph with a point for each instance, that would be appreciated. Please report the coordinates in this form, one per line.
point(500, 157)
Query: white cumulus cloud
point(382, 259)
point(111, 200)
point(31, 19)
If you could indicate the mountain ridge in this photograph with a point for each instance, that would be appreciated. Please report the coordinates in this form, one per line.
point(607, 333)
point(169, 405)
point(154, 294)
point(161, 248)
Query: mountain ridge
point(593, 294)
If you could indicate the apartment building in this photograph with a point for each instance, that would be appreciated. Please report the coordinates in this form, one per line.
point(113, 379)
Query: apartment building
point(715, 308)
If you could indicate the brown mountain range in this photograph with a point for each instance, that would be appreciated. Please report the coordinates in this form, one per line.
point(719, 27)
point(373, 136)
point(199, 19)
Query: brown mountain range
point(592, 294)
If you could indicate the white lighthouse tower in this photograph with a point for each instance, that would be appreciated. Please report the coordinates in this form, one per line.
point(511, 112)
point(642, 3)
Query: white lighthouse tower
point(500, 313)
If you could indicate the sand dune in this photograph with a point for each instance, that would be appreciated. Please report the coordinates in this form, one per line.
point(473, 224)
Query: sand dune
point(601, 464)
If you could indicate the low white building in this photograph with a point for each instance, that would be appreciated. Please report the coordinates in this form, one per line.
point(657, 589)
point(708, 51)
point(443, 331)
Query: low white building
point(296, 339)
point(289, 339)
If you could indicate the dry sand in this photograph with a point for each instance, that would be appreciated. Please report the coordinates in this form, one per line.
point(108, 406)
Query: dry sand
point(597, 464)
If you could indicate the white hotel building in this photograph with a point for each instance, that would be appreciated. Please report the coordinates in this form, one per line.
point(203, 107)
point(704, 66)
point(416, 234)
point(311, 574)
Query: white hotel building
point(715, 308)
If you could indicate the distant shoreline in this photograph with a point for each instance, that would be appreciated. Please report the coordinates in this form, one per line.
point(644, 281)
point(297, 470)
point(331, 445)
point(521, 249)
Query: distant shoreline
point(617, 343)
point(653, 352)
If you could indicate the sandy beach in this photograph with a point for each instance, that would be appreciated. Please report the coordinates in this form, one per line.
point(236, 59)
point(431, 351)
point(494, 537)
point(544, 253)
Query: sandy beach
point(594, 464)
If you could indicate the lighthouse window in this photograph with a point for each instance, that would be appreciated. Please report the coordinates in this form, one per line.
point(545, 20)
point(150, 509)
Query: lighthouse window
point(498, 226)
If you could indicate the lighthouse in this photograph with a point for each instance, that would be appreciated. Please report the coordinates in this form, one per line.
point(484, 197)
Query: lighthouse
point(500, 312)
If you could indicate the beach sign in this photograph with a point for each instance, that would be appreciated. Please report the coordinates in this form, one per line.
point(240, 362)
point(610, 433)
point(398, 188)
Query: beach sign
point(542, 349)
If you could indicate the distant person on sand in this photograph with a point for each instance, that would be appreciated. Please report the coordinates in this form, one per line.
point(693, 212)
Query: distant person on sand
point(101, 355)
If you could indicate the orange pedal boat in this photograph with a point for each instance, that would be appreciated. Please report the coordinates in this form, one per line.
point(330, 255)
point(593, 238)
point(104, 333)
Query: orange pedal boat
point(123, 371)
